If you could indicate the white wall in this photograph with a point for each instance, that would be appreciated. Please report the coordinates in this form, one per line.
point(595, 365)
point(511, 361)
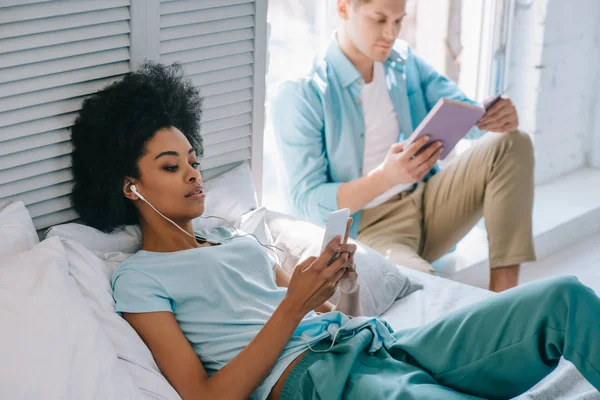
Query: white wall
point(594, 151)
point(554, 70)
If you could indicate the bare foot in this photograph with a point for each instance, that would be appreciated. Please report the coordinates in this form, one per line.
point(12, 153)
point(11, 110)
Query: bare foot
point(504, 278)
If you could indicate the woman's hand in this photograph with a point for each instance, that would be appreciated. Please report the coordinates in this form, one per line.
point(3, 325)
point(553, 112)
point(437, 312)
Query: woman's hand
point(314, 280)
point(501, 117)
point(349, 302)
point(349, 281)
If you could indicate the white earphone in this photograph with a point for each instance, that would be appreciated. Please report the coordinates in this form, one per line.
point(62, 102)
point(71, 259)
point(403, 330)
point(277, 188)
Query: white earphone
point(133, 188)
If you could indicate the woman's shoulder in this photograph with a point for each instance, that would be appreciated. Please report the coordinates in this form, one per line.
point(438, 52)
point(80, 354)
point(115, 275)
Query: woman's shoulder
point(131, 267)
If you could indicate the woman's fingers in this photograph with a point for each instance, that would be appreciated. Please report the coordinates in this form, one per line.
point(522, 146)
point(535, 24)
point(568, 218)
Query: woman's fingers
point(335, 266)
point(348, 225)
point(348, 248)
point(332, 248)
point(304, 264)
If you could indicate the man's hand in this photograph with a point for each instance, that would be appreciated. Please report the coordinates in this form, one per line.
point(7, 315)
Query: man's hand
point(501, 117)
point(401, 165)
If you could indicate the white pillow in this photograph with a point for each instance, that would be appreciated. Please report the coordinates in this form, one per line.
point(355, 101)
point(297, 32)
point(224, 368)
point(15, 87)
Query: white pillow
point(253, 222)
point(228, 196)
point(92, 276)
point(51, 345)
point(17, 232)
point(381, 282)
point(127, 240)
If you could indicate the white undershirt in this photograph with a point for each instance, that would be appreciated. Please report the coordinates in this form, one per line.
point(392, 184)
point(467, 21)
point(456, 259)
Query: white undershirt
point(381, 129)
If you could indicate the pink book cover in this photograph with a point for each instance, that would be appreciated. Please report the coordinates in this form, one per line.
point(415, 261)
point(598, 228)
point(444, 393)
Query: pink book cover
point(448, 121)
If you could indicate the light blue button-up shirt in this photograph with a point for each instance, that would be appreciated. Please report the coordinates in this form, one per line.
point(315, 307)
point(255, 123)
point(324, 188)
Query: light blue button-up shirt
point(320, 127)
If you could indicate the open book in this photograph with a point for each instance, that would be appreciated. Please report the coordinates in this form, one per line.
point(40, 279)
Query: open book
point(448, 121)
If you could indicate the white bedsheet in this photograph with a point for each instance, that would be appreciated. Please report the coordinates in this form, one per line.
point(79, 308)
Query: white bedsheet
point(441, 296)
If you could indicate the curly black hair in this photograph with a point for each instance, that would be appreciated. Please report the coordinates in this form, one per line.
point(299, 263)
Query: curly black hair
point(110, 134)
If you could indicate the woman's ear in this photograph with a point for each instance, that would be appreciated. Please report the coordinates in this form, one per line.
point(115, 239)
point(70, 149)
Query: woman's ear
point(127, 190)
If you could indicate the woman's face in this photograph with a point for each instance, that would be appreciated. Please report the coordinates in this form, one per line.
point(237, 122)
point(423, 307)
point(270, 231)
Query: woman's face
point(170, 178)
point(374, 26)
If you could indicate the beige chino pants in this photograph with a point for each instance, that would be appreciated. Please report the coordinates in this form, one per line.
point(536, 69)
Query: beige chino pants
point(493, 179)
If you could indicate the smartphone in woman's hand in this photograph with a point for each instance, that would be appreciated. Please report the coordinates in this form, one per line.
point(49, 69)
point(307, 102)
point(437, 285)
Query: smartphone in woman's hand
point(337, 225)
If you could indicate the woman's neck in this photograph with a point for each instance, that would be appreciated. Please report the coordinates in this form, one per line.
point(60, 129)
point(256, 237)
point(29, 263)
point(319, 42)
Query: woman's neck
point(161, 236)
point(361, 62)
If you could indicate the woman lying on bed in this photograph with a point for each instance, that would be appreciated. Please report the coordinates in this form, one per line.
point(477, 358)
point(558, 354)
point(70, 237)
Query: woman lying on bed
point(223, 322)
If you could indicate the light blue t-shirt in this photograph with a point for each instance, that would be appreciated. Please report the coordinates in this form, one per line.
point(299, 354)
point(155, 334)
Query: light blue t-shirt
point(222, 296)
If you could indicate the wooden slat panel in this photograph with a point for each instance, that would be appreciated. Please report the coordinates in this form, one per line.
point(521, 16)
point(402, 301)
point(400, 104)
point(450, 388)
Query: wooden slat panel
point(53, 94)
point(52, 55)
point(36, 155)
point(216, 64)
point(62, 79)
point(63, 51)
point(38, 112)
point(34, 169)
point(21, 72)
point(218, 149)
point(24, 28)
point(209, 127)
point(216, 171)
point(49, 206)
point(227, 111)
point(36, 182)
point(225, 99)
point(208, 52)
point(61, 217)
point(10, 3)
point(226, 135)
point(61, 37)
point(223, 159)
point(227, 86)
point(54, 8)
point(226, 74)
point(211, 14)
point(43, 194)
point(37, 126)
point(31, 142)
point(172, 7)
point(196, 42)
point(185, 31)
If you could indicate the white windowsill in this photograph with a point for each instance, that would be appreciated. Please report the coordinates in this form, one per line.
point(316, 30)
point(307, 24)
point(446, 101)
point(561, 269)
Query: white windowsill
point(566, 211)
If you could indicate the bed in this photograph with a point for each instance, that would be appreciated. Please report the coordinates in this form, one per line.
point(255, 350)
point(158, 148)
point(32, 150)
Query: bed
point(64, 335)
point(440, 296)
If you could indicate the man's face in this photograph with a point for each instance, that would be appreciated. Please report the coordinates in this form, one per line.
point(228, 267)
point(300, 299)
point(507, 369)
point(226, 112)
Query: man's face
point(373, 26)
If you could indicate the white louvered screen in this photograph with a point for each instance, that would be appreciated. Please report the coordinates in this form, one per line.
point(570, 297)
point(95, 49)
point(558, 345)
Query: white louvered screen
point(216, 42)
point(52, 55)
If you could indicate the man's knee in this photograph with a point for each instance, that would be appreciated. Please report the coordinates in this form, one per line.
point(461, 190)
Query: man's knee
point(520, 144)
point(516, 146)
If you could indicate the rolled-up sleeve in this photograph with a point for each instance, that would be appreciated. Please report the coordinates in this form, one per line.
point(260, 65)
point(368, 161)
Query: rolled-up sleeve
point(298, 120)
